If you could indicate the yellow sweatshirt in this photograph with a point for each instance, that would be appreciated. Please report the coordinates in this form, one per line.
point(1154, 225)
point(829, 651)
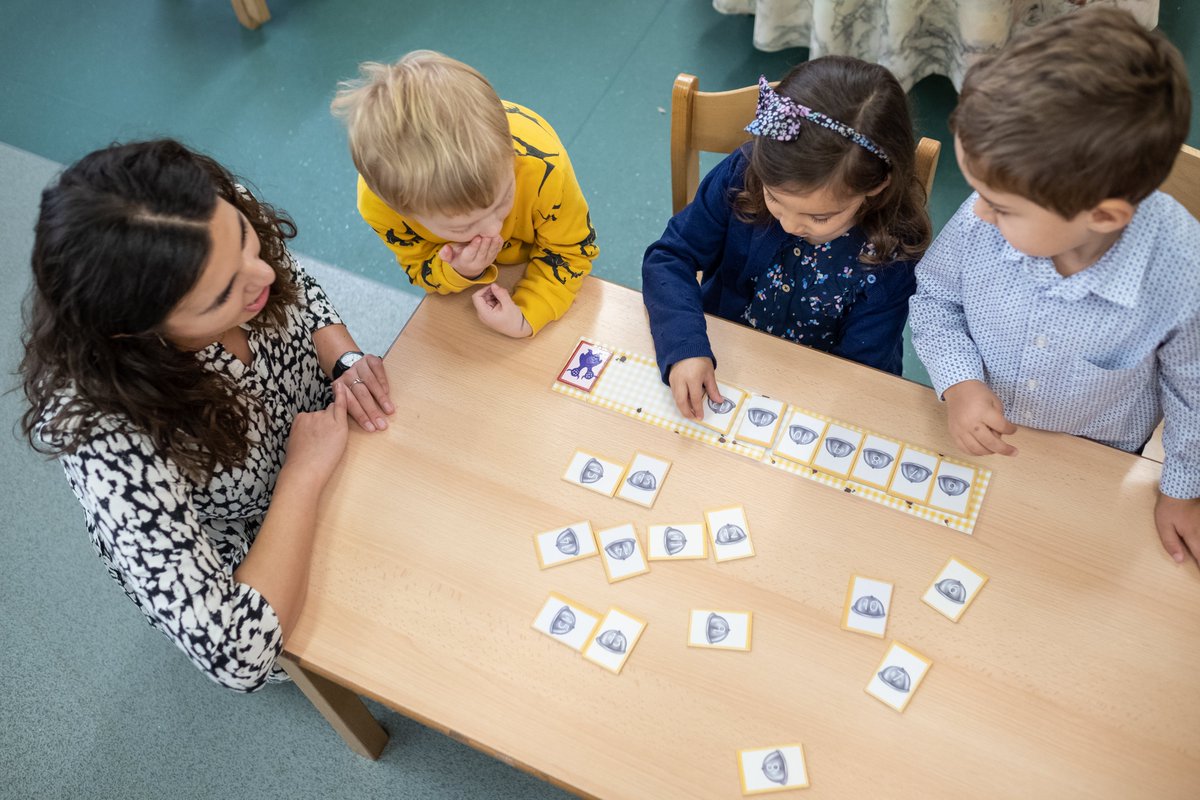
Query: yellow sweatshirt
point(549, 227)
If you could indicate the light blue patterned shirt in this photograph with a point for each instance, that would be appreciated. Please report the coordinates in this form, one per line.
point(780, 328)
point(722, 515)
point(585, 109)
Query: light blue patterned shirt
point(1104, 353)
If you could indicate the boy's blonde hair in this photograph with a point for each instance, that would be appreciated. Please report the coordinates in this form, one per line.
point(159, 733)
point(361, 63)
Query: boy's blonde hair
point(428, 134)
point(1086, 107)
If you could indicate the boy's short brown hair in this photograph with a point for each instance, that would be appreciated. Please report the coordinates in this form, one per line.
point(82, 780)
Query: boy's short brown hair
point(427, 134)
point(1085, 107)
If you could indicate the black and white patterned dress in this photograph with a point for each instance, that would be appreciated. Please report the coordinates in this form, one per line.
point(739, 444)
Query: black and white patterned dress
point(173, 544)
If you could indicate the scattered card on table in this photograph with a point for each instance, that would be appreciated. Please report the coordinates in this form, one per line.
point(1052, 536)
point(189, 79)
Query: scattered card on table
point(568, 543)
point(952, 484)
point(911, 480)
point(585, 365)
point(615, 637)
point(723, 630)
point(760, 421)
point(644, 479)
point(730, 533)
point(621, 553)
point(876, 461)
point(566, 621)
point(898, 676)
point(802, 433)
point(837, 450)
point(593, 472)
point(772, 769)
point(720, 416)
point(676, 542)
point(955, 588)
point(868, 602)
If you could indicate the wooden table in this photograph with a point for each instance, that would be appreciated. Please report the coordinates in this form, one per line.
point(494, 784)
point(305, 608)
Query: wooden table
point(1072, 675)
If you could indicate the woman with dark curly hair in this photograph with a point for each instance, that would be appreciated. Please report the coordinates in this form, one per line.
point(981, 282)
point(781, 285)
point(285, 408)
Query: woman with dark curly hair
point(177, 361)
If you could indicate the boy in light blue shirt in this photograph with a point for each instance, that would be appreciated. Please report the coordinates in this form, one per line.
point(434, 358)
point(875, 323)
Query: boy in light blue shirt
point(1065, 292)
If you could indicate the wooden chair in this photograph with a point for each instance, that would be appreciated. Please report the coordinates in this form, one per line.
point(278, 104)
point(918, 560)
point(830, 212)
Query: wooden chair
point(713, 121)
point(251, 13)
point(1184, 185)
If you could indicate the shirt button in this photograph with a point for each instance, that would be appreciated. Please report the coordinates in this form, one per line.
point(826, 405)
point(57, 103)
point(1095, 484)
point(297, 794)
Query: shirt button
point(1040, 341)
point(1031, 384)
point(787, 287)
point(796, 251)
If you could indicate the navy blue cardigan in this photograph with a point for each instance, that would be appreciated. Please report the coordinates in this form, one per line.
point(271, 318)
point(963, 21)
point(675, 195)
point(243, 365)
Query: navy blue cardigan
point(707, 237)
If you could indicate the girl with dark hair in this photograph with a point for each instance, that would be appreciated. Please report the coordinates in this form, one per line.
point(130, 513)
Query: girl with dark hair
point(810, 231)
point(176, 361)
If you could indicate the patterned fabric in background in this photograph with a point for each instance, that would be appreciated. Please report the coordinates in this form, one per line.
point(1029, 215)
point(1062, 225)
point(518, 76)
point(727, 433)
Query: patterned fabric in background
point(912, 38)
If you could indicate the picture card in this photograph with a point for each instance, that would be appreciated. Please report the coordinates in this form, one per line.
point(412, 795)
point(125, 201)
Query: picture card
point(568, 543)
point(898, 676)
point(566, 621)
point(595, 473)
point(952, 486)
point(838, 450)
point(722, 630)
point(643, 479)
point(621, 553)
point(868, 603)
point(772, 769)
point(585, 365)
point(954, 588)
point(615, 637)
point(913, 477)
point(801, 436)
point(730, 533)
point(720, 416)
point(678, 542)
point(876, 461)
point(760, 420)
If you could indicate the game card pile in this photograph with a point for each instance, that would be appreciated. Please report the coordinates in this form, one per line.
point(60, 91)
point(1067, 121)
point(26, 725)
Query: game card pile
point(869, 465)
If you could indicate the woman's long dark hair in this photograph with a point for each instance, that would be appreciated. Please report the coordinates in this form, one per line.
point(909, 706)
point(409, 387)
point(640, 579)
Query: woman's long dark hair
point(122, 236)
point(868, 98)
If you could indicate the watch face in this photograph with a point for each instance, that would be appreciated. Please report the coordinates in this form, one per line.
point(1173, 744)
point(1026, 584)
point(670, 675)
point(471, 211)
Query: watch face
point(348, 360)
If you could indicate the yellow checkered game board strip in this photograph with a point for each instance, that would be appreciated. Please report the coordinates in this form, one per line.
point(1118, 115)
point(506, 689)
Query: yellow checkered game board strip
point(631, 385)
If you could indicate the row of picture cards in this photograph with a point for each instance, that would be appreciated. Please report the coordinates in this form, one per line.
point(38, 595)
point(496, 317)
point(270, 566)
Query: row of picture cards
point(804, 438)
point(620, 548)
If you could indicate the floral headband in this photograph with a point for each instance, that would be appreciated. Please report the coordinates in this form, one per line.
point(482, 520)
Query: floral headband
point(778, 117)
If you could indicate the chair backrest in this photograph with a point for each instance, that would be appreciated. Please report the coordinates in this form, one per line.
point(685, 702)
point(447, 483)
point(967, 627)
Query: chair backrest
point(1184, 181)
point(713, 122)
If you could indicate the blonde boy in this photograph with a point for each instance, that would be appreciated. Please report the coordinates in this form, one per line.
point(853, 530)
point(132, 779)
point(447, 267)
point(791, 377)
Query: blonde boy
point(1065, 293)
point(458, 182)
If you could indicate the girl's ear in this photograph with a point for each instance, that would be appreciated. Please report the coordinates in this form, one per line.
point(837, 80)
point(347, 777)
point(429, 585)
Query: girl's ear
point(880, 187)
point(1110, 215)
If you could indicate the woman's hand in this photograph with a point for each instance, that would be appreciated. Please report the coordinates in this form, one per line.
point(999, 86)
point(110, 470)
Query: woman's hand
point(691, 379)
point(368, 396)
point(317, 441)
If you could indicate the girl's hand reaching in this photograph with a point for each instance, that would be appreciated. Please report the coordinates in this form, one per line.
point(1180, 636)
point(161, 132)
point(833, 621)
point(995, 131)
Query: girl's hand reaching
point(691, 380)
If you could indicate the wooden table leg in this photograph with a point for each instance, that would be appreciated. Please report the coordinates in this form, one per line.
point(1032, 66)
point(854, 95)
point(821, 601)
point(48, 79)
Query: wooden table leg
point(251, 13)
point(341, 707)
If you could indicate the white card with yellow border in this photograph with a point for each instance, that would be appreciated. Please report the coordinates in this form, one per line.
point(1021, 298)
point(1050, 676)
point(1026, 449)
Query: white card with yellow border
point(643, 479)
point(722, 630)
point(772, 769)
point(562, 545)
point(615, 637)
point(954, 588)
point(720, 416)
point(899, 674)
point(913, 478)
point(802, 434)
point(760, 420)
point(566, 621)
point(868, 603)
point(838, 449)
point(595, 473)
point(678, 542)
point(952, 485)
point(621, 553)
point(729, 533)
point(876, 461)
